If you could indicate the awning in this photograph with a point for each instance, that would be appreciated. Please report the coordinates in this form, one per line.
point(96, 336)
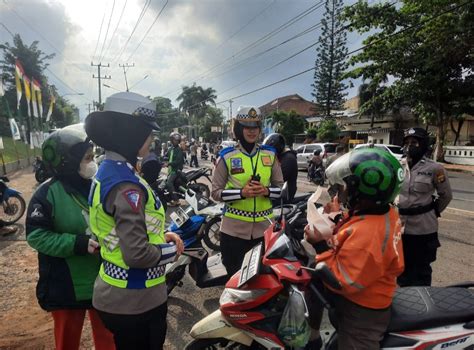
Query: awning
point(375, 131)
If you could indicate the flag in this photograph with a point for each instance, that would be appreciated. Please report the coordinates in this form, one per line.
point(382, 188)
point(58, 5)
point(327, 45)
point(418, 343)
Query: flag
point(19, 72)
point(51, 105)
point(14, 129)
point(35, 89)
point(26, 84)
point(39, 98)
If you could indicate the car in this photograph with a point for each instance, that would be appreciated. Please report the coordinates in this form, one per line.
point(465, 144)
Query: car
point(305, 152)
point(396, 151)
point(228, 143)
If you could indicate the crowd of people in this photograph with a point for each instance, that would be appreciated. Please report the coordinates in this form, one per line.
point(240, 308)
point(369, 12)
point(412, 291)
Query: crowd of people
point(103, 247)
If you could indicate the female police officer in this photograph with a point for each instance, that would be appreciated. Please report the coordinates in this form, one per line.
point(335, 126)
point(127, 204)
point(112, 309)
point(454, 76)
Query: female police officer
point(130, 291)
point(246, 177)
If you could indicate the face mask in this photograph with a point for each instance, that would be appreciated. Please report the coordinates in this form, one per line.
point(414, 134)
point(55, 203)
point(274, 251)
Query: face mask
point(414, 152)
point(87, 170)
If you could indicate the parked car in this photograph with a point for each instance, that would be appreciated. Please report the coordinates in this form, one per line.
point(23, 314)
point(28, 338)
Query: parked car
point(397, 151)
point(228, 143)
point(305, 152)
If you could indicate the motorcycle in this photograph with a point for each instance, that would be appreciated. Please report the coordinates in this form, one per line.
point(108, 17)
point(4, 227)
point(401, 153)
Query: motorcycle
point(41, 173)
point(316, 174)
point(12, 202)
point(204, 154)
point(254, 300)
point(188, 223)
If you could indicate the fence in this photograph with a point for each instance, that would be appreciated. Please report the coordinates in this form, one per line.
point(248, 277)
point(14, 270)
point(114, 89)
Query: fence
point(459, 155)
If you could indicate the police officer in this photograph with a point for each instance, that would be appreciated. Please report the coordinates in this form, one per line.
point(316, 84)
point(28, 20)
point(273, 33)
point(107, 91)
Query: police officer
point(175, 164)
point(288, 162)
point(246, 178)
point(130, 292)
point(419, 208)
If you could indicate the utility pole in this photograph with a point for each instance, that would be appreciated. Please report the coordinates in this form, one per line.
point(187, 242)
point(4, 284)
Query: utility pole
point(126, 65)
point(99, 78)
point(230, 105)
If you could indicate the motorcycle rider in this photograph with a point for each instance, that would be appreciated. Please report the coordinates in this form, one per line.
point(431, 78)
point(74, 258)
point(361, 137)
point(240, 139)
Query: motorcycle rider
point(57, 227)
point(246, 178)
point(130, 291)
point(366, 254)
point(175, 165)
point(288, 162)
point(419, 209)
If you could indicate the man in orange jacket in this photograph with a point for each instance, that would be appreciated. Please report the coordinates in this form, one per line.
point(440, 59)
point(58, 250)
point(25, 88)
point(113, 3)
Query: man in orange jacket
point(366, 253)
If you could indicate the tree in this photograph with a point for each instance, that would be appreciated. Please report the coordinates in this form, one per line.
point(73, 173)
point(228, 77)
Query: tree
point(426, 48)
point(213, 117)
point(169, 117)
point(194, 100)
point(328, 130)
point(288, 124)
point(328, 88)
point(368, 104)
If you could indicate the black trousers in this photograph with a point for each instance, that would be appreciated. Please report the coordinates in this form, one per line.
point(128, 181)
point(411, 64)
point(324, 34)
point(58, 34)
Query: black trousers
point(142, 331)
point(194, 160)
point(419, 252)
point(233, 250)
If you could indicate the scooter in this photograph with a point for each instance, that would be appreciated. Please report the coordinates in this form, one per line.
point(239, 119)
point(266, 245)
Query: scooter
point(254, 300)
point(12, 203)
point(204, 154)
point(316, 174)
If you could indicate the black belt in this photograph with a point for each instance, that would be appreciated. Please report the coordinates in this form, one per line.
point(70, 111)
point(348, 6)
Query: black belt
point(417, 210)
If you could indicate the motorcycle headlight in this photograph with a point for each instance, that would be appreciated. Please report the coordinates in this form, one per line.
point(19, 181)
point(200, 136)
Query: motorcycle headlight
point(230, 295)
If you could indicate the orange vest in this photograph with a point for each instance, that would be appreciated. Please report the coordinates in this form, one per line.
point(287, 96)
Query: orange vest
point(367, 257)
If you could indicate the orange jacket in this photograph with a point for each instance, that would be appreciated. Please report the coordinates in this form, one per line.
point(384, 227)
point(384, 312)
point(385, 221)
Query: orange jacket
point(367, 257)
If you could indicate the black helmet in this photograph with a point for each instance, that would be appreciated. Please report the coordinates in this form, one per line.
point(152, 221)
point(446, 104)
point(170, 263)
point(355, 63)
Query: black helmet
point(369, 173)
point(175, 136)
point(277, 141)
point(418, 133)
point(64, 149)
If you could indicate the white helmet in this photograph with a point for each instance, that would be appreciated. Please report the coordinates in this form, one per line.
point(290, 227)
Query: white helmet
point(249, 116)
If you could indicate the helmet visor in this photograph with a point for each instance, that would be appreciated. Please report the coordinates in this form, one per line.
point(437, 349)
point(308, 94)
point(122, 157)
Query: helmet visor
point(250, 123)
point(339, 170)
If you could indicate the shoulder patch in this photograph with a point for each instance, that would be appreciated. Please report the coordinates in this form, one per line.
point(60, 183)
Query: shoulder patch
point(133, 198)
point(226, 150)
point(268, 148)
point(37, 211)
point(440, 176)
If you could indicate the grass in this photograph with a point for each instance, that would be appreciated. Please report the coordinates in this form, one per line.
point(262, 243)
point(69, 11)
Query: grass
point(22, 150)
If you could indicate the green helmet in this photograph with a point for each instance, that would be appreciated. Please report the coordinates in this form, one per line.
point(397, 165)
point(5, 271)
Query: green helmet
point(63, 149)
point(368, 173)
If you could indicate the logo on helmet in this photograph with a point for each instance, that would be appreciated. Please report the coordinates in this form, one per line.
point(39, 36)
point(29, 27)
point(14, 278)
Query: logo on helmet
point(400, 175)
point(411, 131)
point(252, 113)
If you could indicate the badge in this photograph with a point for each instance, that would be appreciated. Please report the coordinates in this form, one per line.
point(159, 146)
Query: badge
point(236, 166)
point(133, 199)
point(37, 212)
point(440, 177)
point(266, 161)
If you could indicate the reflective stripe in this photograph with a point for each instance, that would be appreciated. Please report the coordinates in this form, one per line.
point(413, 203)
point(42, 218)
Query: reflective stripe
point(111, 240)
point(348, 280)
point(387, 231)
point(120, 273)
point(248, 214)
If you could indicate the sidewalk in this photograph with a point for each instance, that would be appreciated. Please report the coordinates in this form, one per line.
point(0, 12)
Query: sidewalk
point(459, 168)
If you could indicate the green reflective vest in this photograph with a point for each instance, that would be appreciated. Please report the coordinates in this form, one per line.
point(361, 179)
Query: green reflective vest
point(113, 270)
point(240, 168)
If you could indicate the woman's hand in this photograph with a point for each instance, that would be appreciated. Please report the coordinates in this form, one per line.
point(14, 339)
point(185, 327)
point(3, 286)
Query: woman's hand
point(254, 189)
point(312, 235)
point(173, 237)
point(333, 206)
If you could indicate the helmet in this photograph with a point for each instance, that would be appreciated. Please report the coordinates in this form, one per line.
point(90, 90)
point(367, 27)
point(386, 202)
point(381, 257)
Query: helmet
point(175, 137)
point(368, 173)
point(418, 133)
point(249, 117)
point(64, 149)
point(277, 141)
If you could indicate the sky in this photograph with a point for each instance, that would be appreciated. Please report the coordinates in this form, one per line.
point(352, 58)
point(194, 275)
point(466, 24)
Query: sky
point(214, 43)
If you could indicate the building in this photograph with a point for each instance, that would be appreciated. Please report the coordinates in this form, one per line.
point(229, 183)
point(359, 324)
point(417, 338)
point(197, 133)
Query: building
point(290, 103)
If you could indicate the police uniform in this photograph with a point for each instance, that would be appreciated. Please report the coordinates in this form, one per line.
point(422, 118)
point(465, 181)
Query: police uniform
point(419, 211)
point(245, 219)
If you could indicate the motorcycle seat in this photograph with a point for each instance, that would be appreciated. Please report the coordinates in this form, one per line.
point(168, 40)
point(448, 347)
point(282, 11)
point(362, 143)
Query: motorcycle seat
point(415, 308)
point(300, 197)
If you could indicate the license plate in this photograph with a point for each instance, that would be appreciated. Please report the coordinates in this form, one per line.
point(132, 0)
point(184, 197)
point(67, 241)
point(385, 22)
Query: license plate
point(250, 265)
point(179, 217)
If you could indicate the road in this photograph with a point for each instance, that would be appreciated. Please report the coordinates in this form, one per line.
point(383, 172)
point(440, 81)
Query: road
point(188, 304)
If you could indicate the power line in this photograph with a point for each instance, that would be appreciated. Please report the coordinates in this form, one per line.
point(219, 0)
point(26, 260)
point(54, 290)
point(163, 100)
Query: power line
point(149, 28)
point(140, 17)
point(107, 31)
point(116, 27)
point(100, 32)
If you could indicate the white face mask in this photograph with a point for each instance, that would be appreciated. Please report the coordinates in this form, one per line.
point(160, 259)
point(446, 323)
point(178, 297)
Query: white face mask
point(87, 170)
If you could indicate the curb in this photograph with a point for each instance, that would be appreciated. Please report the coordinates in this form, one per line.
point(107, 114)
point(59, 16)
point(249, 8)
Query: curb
point(457, 170)
point(459, 211)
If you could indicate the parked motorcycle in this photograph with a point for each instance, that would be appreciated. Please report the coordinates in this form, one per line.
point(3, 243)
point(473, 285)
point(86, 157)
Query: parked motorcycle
point(254, 301)
point(39, 168)
point(316, 174)
point(204, 154)
point(13, 204)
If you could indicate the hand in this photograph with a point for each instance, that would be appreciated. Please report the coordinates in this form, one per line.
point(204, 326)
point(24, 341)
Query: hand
point(312, 235)
point(93, 247)
point(254, 189)
point(173, 237)
point(333, 206)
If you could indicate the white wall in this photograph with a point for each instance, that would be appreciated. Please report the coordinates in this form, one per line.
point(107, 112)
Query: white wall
point(379, 138)
point(459, 155)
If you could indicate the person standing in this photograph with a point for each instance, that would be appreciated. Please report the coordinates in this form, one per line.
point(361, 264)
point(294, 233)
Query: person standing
point(246, 178)
point(420, 208)
point(57, 227)
point(130, 292)
point(194, 158)
point(288, 162)
point(175, 165)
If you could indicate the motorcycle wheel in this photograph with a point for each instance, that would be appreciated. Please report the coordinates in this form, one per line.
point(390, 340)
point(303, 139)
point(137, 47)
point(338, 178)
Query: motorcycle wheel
point(201, 189)
point(174, 277)
point(212, 234)
point(41, 176)
point(13, 209)
point(218, 343)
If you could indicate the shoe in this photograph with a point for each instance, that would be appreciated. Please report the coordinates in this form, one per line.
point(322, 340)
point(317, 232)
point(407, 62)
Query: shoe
point(315, 344)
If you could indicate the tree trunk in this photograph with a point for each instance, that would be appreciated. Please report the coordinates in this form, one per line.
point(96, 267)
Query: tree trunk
point(439, 155)
point(457, 131)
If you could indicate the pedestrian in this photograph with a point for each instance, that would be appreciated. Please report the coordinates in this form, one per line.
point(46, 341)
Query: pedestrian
point(419, 208)
point(57, 227)
point(288, 163)
point(336, 189)
point(367, 254)
point(184, 149)
point(130, 292)
point(246, 178)
point(175, 165)
point(194, 158)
